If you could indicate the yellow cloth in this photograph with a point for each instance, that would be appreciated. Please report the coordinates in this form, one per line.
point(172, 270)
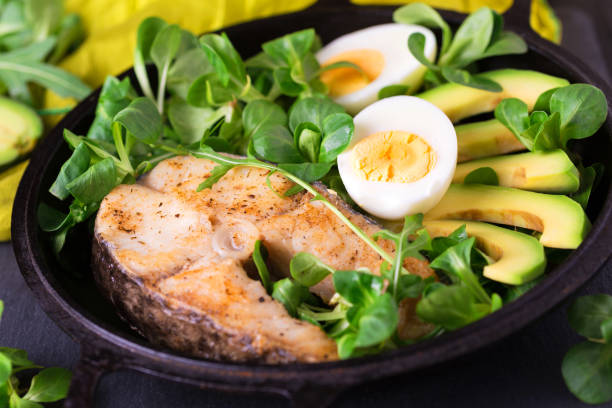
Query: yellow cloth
point(111, 26)
point(9, 180)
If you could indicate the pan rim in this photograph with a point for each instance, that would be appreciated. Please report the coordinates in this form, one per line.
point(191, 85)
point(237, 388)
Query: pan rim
point(66, 314)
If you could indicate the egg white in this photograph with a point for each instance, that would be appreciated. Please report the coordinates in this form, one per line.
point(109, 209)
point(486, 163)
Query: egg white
point(400, 66)
point(395, 200)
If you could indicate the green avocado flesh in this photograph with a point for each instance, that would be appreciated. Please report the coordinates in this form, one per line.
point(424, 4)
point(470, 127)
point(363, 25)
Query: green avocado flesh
point(562, 221)
point(459, 101)
point(548, 172)
point(484, 139)
point(20, 127)
point(518, 257)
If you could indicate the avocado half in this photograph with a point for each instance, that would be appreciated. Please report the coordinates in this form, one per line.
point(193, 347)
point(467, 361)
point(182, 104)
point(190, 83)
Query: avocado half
point(561, 220)
point(550, 172)
point(519, 258)
point(20, 128)
point(459, 101)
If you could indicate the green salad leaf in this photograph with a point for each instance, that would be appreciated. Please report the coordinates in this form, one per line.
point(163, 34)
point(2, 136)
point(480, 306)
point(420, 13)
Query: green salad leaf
point(574, 111)
point(587, 371)
point(480, 36)
point(48, 385)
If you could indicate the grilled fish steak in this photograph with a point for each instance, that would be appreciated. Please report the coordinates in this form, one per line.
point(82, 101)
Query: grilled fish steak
point(172, 260)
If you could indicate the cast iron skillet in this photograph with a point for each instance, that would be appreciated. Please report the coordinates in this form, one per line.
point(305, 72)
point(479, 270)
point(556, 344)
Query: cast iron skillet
point(107, 344)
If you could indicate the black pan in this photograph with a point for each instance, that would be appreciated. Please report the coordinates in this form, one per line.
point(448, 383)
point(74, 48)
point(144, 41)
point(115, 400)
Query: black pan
point(67, 293)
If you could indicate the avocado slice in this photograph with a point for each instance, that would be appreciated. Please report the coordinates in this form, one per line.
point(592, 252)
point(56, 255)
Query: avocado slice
point(484, 139)
point(459, 101)
point(560, 219)
point(20, 127)
point(518, 258)
point(548, 172)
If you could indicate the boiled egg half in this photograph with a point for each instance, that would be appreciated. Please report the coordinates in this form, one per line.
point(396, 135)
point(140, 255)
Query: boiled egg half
point(401, 159)
point(382, 54)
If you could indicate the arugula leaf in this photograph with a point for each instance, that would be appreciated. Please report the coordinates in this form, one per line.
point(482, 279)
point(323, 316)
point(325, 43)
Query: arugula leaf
point(224, 58)
point(587, 314)
point(275, 143)
point(291, 294)
point(95, 183)
point(587, 371)
point(191, 122)
point(393, 90)
point(463, 77)
point(547, 134)
point(5, 368)
point(308, 139)
point(163, 50)
point(419, 13)
point(260, 114)
point(215, 175)
point(50, 385)
point(576, 111)
point(309, 172)
point(19, 358)
point(308, 270)
point(480, 36)
point(543, 102)
point(441, 244)
point(471, 39)
point(582, 108)
point(506, 43)
point(482, 175)
point(258, 258)
point(293, 65)
point(115, 96)
point(416, 45)
point(377, 321)
point(71, 169)
point(373, 315)
point(451, 307)
point(312, 110)
point(189, 66)
point(290, 48)
point(322, 129)
point(147, 31)
point(513, 114)
point(59, 81)
point(456, 261)
point(141, 119)
point(338, 130)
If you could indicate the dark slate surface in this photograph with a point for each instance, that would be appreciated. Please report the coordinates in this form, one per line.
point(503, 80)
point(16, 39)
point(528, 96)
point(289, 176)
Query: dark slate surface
point(521, 371)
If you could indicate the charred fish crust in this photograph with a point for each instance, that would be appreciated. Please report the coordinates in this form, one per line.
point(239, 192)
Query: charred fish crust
point(177, 328)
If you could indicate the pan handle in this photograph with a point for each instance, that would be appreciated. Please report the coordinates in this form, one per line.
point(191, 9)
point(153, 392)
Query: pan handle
point(518, 15)
point(92, 365)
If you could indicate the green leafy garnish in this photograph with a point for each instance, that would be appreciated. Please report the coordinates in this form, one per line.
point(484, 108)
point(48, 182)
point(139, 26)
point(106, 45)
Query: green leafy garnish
point(465, 300)
point(587, 367)
point(480, 36)
point(575, 111)
point(48, 385)
point(34, 35)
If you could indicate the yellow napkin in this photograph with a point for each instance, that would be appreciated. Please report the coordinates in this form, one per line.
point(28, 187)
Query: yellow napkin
point(111, 36)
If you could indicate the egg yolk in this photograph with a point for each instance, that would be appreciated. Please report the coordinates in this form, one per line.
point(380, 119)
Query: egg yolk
point(393, 156)
point(342, 81)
